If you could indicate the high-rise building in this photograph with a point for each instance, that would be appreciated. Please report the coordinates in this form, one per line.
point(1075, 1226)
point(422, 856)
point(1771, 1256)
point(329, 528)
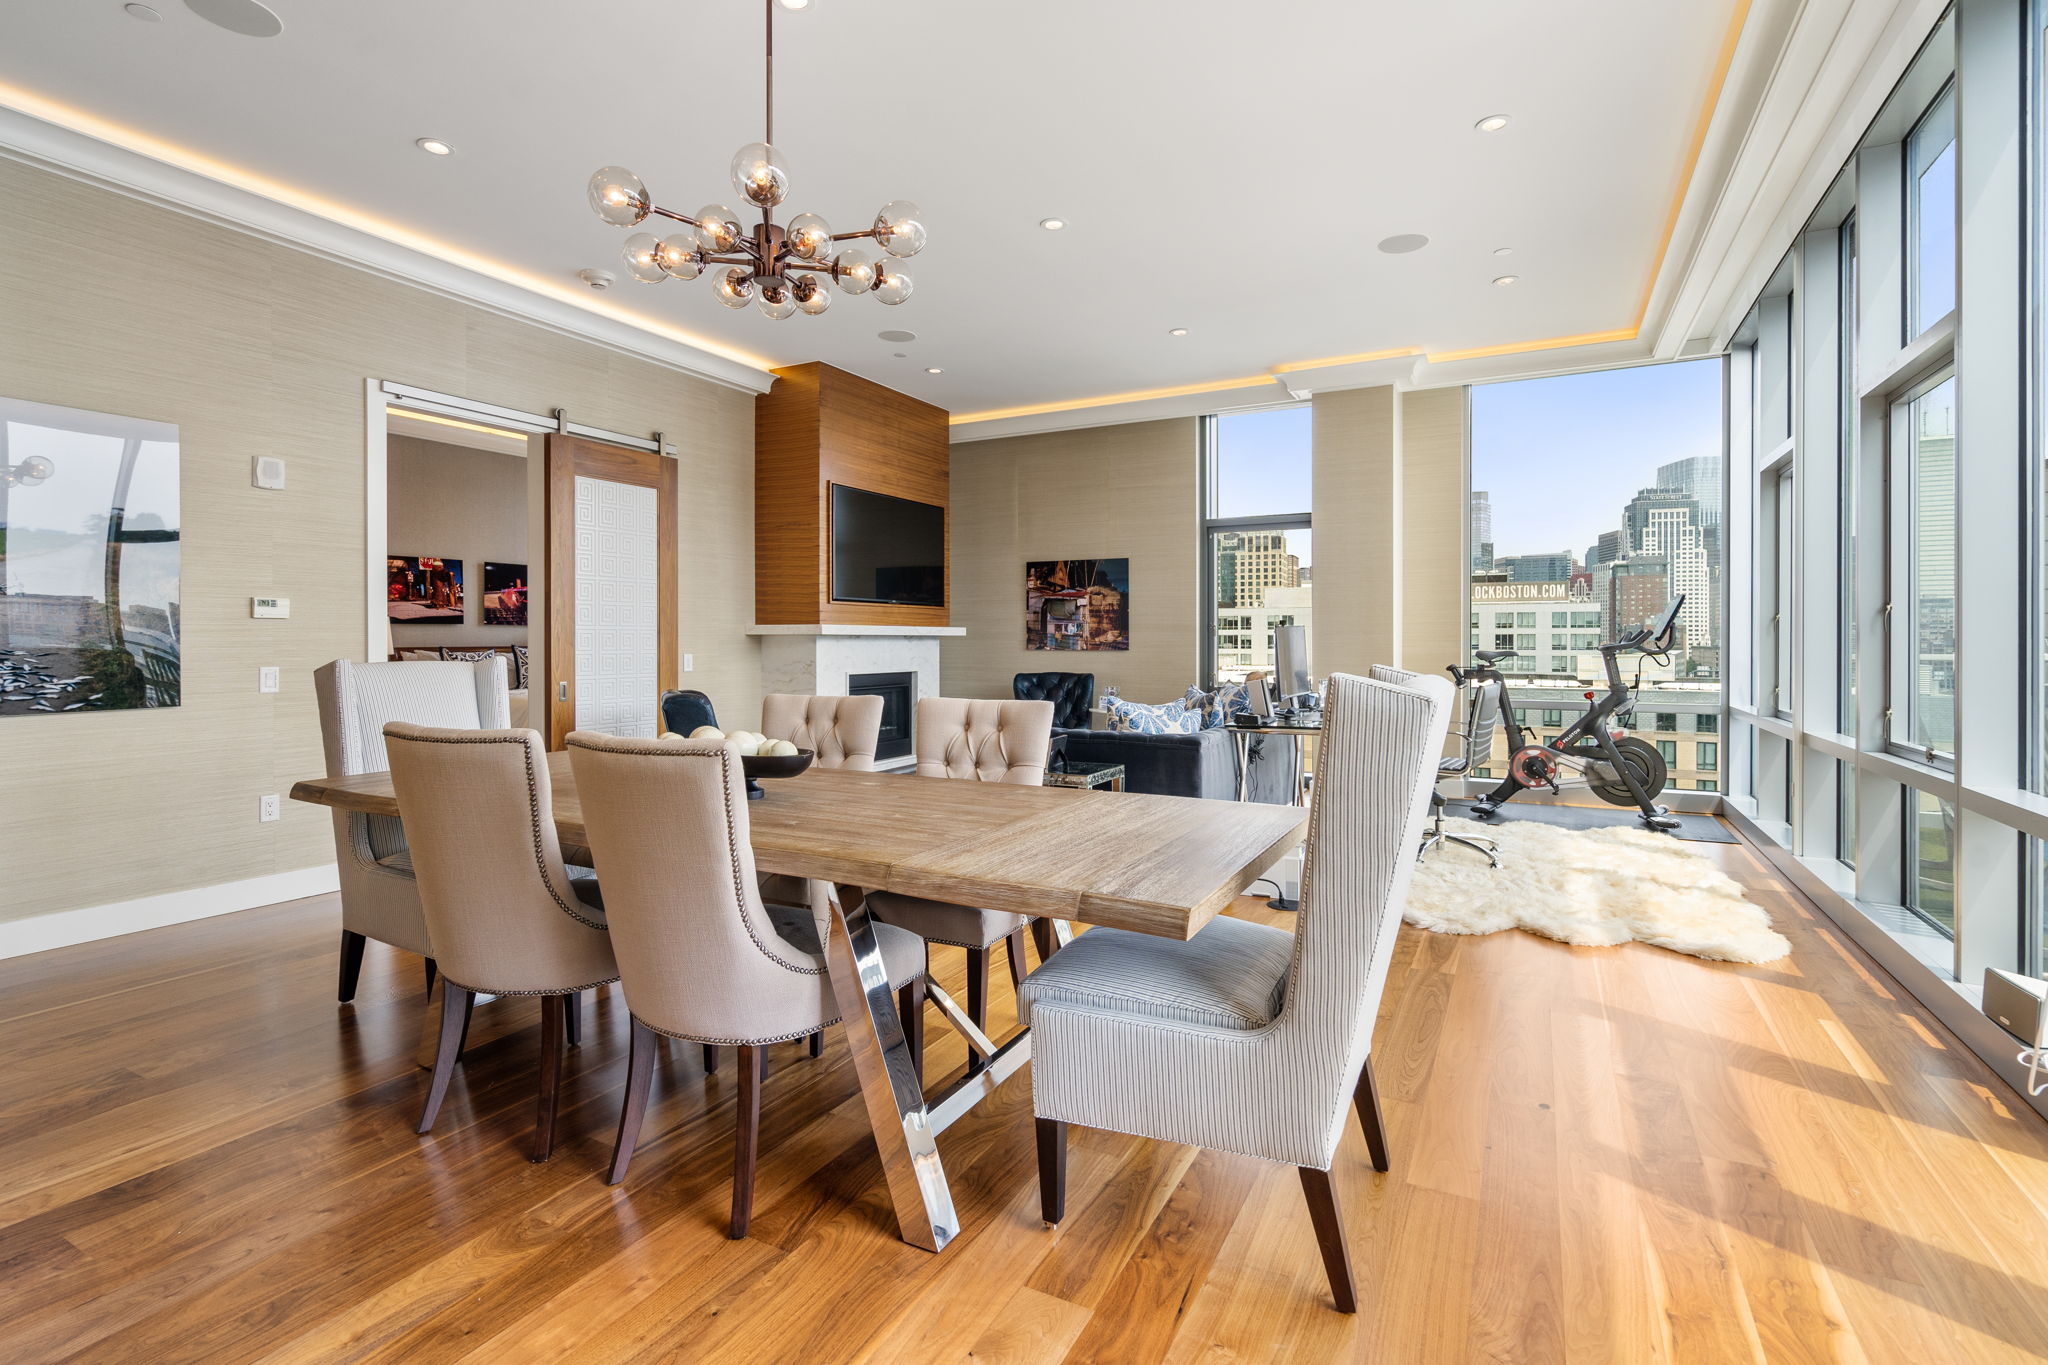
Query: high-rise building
point(1537, 568)
point(1699, 478)
point(1250, 563)
point(1611, 546)
point(1665, 522)
point(1482, 531)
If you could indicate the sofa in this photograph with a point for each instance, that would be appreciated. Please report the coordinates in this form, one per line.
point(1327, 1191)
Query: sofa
point(1201, 764)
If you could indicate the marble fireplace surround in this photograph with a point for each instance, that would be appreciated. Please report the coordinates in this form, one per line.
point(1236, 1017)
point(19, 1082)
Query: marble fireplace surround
point(817, 660)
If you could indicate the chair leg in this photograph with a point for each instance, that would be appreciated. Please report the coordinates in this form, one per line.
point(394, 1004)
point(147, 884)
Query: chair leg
point(710, 1059)
point(977, 999)
point(1042, 937)
point(1370, 1118)
point(818, 1043)
point(1321, 1192)
point(1019, 969)
point(1052, 1171)
point(351, 965)
point(910, 1005)
point(572, 1021)
point(433, 969)
point(455, 1007)
point(639, 1080)
point(747, 1145)
point(552, 1012)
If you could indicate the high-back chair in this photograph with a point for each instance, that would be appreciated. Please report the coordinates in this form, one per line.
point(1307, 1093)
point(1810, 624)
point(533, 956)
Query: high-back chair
point(1434, 834)
point(1247, 1038)
point(985, 741)
point(504, 913)
point(687, 710)
point(700, 956)
point(842, 731)
point(1072, 695)
point(379, 898)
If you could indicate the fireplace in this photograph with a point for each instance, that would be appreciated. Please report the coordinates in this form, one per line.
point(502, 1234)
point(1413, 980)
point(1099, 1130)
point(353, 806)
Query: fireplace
point(898, 692)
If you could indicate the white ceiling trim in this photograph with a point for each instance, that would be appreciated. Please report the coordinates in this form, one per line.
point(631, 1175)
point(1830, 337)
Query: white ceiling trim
point(79, 156)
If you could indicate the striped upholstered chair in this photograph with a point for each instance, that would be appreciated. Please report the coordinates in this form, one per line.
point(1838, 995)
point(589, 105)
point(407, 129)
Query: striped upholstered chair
point(1247, 1038)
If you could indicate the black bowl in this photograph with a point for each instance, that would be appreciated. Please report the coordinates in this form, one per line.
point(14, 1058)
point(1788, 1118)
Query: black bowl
point(777, 765)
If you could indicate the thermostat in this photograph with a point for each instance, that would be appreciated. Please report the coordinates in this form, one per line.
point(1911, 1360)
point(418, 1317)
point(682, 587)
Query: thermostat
point(270, 606)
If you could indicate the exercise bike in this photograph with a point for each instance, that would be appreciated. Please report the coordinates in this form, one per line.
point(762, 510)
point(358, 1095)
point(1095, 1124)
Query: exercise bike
point(1620, 769)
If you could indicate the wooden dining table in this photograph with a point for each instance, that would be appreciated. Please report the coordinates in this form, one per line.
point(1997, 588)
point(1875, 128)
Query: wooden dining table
point(1162, 865)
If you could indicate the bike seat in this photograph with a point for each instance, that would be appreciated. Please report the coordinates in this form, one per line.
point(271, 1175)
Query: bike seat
point(1487, 656)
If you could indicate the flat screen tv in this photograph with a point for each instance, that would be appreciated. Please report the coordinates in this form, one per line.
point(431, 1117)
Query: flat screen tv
point(887, 549)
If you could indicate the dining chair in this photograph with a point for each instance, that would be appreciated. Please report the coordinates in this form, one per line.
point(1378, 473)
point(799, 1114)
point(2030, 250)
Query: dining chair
point(682, 712)
point(503, 911)
point(1434, 835)
point(380, 898)
point(1246, 1038)
point(701, 956)
point(974, 741)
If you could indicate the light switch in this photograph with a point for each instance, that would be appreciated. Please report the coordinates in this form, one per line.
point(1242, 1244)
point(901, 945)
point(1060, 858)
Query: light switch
point(266, 680)
point(689, 663)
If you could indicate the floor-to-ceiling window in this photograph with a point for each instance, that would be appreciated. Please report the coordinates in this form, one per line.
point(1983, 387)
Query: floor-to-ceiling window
point(1596, 498)
point(1257, 493)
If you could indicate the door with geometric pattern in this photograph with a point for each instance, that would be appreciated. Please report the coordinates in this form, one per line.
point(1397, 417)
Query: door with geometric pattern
point(611, 587)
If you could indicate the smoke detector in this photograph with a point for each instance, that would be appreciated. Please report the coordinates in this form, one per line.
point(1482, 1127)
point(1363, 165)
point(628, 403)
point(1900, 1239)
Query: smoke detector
point(596, 279)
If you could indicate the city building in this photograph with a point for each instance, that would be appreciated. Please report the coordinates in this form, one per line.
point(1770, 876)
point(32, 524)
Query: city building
point(1249, 564)
point(1482, 530)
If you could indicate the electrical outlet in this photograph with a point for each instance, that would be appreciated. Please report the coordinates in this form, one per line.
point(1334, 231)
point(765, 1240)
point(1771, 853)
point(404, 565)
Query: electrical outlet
point(266, 680)
point(268, 807)
point(689, 663)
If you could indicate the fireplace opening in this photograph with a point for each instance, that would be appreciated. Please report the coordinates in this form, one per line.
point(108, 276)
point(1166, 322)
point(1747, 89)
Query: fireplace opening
point(898, 692)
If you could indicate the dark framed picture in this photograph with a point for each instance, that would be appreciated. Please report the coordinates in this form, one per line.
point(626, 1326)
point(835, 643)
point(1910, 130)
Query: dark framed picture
point(504, 594)
point(420, 588)
point(1077, 604)
point(90, 545)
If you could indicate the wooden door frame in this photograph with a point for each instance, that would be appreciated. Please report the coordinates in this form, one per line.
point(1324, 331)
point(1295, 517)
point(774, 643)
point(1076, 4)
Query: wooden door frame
point(569, 457)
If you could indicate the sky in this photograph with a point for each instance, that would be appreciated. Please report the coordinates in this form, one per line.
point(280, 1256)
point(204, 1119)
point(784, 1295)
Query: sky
point(1562, 456)
point(1262, 462)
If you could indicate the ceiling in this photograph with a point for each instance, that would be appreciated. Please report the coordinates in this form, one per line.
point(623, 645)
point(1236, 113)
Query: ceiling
point(1223, 168)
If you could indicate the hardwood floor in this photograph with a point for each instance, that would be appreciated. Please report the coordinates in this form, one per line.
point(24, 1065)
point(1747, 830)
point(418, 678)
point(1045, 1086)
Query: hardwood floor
point(1616, 1155)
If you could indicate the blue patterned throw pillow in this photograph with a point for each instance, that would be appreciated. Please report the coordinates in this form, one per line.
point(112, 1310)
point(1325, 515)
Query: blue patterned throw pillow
point(1136, 718)
point(1230, 700)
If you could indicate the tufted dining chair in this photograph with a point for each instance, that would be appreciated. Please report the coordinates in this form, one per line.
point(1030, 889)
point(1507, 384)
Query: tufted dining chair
point(379, 897)
point(975, 741)
point(841, 731)
point(701, 956)
point(1246, 1038)
point(503, 911)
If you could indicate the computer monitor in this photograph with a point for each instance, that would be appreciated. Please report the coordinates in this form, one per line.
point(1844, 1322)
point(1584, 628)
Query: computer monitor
point(1290, 664)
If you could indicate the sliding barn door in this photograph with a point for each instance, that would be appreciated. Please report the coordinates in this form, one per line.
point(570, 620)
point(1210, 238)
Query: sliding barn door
point(611, 587)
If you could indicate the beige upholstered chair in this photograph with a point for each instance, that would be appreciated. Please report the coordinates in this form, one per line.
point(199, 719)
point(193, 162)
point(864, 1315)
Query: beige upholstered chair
point(1247, 1038)
point(701, 957)
point(985, 741)
point(504, 914)
point(379, 898)
point(842, 731)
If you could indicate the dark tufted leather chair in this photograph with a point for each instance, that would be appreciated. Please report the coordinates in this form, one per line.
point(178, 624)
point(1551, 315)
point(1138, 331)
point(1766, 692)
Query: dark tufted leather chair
point(1071, 694)
point(682, 712)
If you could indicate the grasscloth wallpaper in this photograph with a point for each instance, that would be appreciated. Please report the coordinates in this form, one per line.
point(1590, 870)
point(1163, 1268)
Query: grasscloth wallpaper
point(256, 349)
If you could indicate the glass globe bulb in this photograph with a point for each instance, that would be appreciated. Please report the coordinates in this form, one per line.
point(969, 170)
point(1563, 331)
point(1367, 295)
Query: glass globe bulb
point(643, 258)
point(854, 271)
point(757, 174)
point(776, 301)
point(32, 471)
point(735, 287)
point(899, 228)
point(810, 237)
point(892, 286)
point(811, 294)
point(718, 229)
point(678, 256)
point(618, 196)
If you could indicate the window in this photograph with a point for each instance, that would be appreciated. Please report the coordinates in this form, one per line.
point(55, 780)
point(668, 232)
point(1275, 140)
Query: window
point(1782, 587)
point(1845, 812)
point(1922, 571)
point(1669, 749)
point(1560, 642)
point(1560, 619)
point(1706, 723)
point(1931, 216)
point(1552, 717)
point(1585, 620)
point(1256, 481)
point(1706, 784)
point(1561, 663)
point(1930, 853)
point(1706, 756)
point(1666, 720)
point(1525, 618)
point(1847, 455)
point(1525, 642)
point(1503, 642)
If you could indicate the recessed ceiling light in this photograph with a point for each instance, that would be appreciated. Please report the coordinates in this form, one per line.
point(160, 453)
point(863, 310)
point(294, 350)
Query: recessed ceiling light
point(1177, 332)
point(796, 4)
point(1503, 251)
point(1403, 243)
point(1492, 123)
point(1505, 279)
point(933, 369)
point(245, 17)
point(901, 356)
point(144, 13)
point(434, 145)
point(1052, 224)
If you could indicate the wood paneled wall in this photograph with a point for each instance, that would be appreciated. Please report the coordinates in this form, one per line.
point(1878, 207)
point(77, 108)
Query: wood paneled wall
point(819, 426)
point(253, 348)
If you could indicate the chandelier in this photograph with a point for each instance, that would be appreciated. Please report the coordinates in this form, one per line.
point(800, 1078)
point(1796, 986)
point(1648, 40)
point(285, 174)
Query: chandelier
point(779, 269)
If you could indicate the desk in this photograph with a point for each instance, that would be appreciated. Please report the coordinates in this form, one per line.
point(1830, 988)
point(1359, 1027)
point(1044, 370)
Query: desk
point(1244, 753)
point(1154, 864)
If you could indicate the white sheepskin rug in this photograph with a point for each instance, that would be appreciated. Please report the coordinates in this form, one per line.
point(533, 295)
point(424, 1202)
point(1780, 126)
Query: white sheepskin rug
point(1592, 887)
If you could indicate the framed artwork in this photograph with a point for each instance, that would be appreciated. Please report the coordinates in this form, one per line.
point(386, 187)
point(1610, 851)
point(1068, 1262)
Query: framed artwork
point(504, 594)
point(420, 588)
point(1077, 604)
point(89, 560)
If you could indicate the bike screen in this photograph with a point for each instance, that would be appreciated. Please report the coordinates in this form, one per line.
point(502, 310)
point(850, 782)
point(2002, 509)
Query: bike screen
point(1660, 631)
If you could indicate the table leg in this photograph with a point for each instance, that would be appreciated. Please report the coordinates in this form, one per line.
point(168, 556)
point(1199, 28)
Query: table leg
point(1244, 763)
point(888, 1081)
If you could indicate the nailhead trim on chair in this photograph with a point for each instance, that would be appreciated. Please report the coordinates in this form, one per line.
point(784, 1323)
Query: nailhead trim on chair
point(495, 990)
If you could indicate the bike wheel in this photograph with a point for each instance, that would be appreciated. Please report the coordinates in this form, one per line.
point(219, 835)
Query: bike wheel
point(1645, 764)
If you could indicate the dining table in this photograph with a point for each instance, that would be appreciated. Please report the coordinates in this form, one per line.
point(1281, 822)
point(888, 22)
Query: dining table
point(1162, 865)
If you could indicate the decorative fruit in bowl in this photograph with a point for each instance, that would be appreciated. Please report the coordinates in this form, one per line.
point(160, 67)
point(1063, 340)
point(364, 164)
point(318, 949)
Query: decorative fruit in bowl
point(786, 761)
